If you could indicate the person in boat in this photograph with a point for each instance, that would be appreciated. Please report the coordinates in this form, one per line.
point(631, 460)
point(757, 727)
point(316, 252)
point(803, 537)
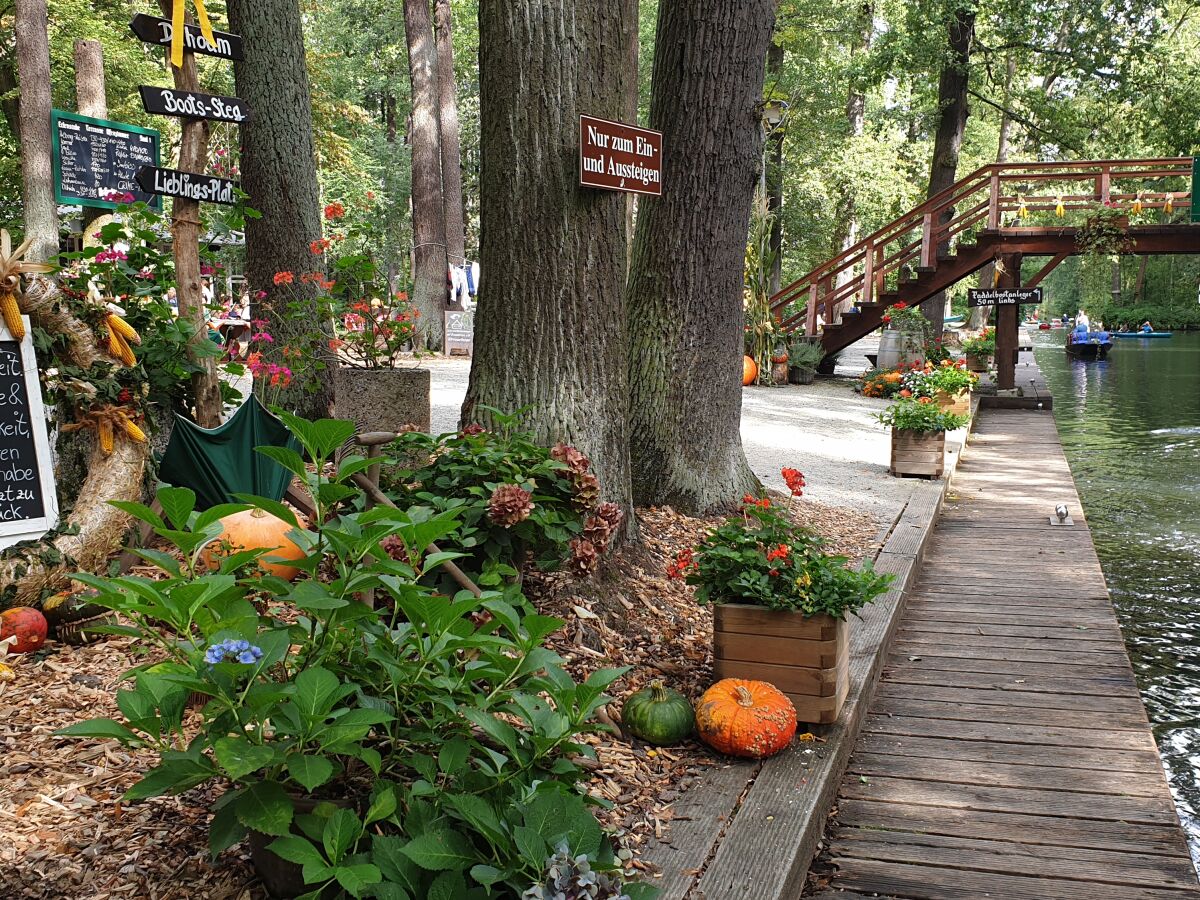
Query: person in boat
point(1147, 327)
point(1123, 328)
point(1081, 319)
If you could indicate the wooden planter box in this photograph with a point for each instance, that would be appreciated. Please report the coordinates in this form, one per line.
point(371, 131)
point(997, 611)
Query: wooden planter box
point(806, 657)
point(918, 453)
point(976, 362)
point(959, 404)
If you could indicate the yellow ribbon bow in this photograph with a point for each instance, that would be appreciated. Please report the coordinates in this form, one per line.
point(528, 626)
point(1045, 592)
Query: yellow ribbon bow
point(1022, 207)
point(178, 29)
point(1170, 205)
point(1060, 210)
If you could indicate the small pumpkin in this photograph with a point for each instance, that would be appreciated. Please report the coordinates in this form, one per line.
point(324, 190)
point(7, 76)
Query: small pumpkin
point(27, 625)
point(659, 715)
point(745, 718)
point(257, 529)
point(749, 370)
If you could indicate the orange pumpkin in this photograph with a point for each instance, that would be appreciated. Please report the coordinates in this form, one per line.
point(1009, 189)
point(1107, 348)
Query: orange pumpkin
point(27, 625)
point(745, 718)
point(257, 529)
point(749, 370)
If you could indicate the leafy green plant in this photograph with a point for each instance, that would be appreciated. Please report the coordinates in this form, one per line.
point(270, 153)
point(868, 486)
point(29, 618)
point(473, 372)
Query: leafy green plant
point(761, 557)
point(518, 502)
point(805, 355)
point(919, 414)
point(982, 344)
point(952, 378)
point(423, 747)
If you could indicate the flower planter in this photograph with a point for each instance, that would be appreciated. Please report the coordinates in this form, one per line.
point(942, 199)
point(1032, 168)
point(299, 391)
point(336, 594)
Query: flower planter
point(899, 348)
point(382, 399)
point(959, 404)
point(798, 375)
point(806, 657)
point(977, 362)
point(918, 453)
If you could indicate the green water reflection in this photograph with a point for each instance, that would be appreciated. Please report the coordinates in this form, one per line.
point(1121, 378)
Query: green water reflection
point(1131, 430)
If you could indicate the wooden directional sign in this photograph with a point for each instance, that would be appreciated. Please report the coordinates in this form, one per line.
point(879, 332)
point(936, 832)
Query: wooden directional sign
point(154, 30)
point(1003, 296)
point(190, 186)
point(618, 157)
point(163, 101)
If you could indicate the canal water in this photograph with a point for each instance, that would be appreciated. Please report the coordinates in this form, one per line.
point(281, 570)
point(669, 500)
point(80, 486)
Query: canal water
point(1131, 430)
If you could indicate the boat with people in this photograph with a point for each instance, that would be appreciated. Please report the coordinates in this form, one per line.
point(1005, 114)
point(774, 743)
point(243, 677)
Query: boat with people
point(1089, 345)
point(1142, 334)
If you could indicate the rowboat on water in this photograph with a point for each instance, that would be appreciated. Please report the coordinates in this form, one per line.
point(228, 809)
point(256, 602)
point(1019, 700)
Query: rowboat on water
point(1091, 345)
point(1142, 334)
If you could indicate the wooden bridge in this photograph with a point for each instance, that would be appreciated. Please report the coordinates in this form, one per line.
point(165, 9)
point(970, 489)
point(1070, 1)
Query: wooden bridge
point(1003, 213)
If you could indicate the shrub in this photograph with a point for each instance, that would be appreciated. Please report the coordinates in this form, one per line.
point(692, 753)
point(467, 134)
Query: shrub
point(982, 344)
point(919, 414)
point(805, 355)
point(952, 377)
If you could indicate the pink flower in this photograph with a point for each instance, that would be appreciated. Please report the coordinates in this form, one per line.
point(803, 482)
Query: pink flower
point(263, 337)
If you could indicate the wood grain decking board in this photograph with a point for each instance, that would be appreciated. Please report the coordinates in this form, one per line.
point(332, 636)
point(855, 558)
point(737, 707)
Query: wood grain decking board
point(1007, 752)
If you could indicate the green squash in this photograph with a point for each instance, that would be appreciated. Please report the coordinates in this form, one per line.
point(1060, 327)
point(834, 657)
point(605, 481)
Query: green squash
point(659, 715)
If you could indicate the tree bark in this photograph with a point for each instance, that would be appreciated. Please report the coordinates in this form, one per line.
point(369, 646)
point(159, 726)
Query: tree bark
point(774, 177)
point(10, 106)
point(977, 315)
point(952, 125)
point(279, 173)
point(452, 189)
point(430, 259)
point(550, 331)
point(37, 171)
point(91, 100)
point(685, 307)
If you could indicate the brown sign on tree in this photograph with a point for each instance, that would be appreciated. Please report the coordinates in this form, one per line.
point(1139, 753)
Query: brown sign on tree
point(618, 157)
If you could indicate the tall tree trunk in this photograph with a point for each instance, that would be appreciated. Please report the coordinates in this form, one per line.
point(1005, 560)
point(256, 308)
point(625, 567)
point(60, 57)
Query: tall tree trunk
point(10, 106)
point(845, 233)
point(91, 100)
point(952, 125)
point(279, 173)
point(185, 235)
point(977, 315)
point(431, 262)
point(37, 171)
point(550, 330)
point(685, 308)
point(452, 189)
point(773, 166)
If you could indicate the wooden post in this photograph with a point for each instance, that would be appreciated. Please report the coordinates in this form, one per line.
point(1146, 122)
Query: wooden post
point(994, 199)
point(928, 247)
point(1105, 184)
point(810, 319)
point(868, 273)
point(185, 227)
point(92, 101)
point(1007, 319)
point(37, 169)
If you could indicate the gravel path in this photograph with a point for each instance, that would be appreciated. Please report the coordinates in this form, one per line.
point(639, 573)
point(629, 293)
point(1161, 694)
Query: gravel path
point(825, 430)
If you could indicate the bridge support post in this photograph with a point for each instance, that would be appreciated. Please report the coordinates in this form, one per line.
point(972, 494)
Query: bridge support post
point(1007, 323)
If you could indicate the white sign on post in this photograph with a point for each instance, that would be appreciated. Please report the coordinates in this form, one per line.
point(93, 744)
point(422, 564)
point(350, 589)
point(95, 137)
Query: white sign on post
point(28, 496)
point(460, 331)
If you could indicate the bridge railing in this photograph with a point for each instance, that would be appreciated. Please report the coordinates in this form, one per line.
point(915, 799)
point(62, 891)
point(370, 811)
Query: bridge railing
point(1059, 194)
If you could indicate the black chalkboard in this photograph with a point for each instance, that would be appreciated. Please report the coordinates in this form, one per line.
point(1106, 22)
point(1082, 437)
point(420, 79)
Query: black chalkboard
point(94, 158)
point(21, 481)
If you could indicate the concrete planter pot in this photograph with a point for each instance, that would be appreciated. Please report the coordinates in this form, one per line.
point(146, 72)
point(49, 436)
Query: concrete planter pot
point(918, 453)
point(806, 657)
point(382, 399)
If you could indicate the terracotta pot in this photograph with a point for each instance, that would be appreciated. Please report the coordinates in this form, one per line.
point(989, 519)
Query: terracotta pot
point(806, 657)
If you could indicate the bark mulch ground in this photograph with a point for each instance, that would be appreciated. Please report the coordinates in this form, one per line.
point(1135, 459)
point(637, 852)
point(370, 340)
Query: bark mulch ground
point(64, 833)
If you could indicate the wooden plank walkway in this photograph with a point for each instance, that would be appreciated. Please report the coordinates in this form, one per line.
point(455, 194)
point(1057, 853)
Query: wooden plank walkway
point(1007, 753)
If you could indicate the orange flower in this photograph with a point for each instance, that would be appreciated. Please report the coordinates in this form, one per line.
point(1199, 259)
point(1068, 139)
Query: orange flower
point(284, 278)
point(924, 399)
point(906, 393)
point(319, 246)
point(335, 211)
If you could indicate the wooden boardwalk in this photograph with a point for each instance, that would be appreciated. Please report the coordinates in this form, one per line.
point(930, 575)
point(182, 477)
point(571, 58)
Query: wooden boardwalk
point(1007, 753)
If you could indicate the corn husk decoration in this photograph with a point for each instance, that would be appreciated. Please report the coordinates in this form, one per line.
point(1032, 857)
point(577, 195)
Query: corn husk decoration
point(120, 333)
point(997, 271)
point(109, 421)
point(11, 270)
point(1022, 207)
point(178, 24)
point(1060, 209)
point(1137, 203)
point(1169, 206)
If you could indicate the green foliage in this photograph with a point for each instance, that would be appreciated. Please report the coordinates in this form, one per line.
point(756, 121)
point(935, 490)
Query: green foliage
point(805, 355)
point(437, 733)
point(982, 344)
point(952, 378)
point(919, 414)
point(760, 557)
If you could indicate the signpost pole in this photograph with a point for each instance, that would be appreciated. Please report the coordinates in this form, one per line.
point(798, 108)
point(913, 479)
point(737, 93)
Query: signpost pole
point(1007, 318)
point(92, 101)
point(185, 226)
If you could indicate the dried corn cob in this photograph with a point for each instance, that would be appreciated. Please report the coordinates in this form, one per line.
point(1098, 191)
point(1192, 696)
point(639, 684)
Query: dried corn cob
point(119, 349)
point(12, 315)
point(105, 429)
point(123, 328)
point(131, 430)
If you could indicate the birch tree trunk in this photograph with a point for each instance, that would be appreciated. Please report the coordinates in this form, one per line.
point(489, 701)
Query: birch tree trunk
point(431, 263)
point(685, 303)
point(452, 189)
point(550, 327)
point(279, 173)
point(37, 171)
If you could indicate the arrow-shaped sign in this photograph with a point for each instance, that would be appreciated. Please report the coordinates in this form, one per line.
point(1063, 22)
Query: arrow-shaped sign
point(188, 185)
point(190, 105)
point(154, 30)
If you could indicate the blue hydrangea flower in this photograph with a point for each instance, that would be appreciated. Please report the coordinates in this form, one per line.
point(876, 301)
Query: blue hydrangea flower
point(242, 651)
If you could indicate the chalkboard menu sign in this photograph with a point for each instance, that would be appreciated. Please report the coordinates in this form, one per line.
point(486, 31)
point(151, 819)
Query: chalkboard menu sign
point(28, 499)
point(94, 158)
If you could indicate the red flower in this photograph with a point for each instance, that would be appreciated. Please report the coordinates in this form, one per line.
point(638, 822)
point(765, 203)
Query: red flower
point(284, 278)
point(794, 480)
point(683, 563)
point(886, 318)
point(906, 393)
point(780, 552)
point(334, 211)
point(319, 246)
point(900, 305)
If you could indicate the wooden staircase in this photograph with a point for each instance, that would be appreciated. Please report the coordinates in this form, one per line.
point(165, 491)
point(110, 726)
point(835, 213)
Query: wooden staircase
point(1034, 209)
